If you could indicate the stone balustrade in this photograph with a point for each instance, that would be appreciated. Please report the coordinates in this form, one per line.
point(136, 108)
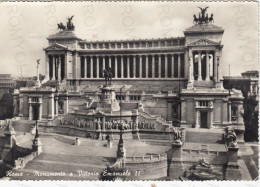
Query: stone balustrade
point(137, 44)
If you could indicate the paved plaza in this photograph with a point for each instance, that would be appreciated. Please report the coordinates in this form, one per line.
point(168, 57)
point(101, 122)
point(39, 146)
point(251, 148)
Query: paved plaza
point(61, 155)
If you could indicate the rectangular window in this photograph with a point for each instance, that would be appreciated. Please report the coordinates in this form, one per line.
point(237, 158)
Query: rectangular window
point(204, 103)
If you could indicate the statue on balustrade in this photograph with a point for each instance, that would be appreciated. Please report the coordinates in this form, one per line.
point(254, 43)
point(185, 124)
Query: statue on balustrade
point(231, 137)
point(108, 125)
point(130, 125)
point(134, 125)
point(177, 134)
point(88, 124)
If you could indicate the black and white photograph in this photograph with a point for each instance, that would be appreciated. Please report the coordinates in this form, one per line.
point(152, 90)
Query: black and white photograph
point(129, 91)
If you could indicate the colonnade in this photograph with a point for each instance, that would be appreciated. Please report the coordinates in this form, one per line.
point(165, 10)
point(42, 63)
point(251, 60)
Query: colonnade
point(203, 71)
point(56, 67)
point(134, 66)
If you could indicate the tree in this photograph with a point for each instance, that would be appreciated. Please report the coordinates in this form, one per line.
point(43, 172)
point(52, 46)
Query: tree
point(6, 104)
point(250, 116)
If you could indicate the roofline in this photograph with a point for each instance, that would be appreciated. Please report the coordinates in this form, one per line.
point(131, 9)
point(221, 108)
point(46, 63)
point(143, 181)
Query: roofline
point(137, 40)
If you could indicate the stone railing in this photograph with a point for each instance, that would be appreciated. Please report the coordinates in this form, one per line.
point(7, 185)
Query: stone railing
point(147, 158)
point(156, 118)
point(4, 123)
point(132, 44)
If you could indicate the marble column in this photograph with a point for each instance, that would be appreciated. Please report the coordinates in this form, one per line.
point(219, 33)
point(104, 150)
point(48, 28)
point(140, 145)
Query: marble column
point(103, 62)
point(172, 56)
point(109, 61)
point(53, 68)
point(215, 66)
point(134, 66)
point(199, 66)
point(146, 66)
point(153, 66)
point(197, 125)
point(30, 110)
point(47, 64)
point(40, 109)
point(51, 106)
point(91, 66)
point(128, 66)
point(59, 67)
point(97, 66)
point(122, 66)
point(218, 59)
point(56, 105)
point(207, 65)
point(20, 106)
point(159, 66)
point(66, 59)
point(179, 65)
point(66, 105)
point(103, 123)
point(115, 66)
point(229, 112)
point(140, 66)
point(191, 66)
point(211, 118)
point(85, 67)
point(166, 65)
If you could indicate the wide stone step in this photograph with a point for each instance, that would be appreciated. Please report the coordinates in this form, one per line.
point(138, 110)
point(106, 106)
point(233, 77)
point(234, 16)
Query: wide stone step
point(155, 137)
point(159, 142)
point(202, 136)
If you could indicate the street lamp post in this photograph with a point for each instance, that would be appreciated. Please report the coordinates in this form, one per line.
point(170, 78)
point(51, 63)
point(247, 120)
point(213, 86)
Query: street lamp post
point(120, 148)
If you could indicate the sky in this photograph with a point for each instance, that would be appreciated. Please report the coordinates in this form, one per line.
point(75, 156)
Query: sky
point(25, 27)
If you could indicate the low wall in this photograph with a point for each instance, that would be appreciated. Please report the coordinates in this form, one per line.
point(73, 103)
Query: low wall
point(22, 161)
point(114, 134)
point(146, 167)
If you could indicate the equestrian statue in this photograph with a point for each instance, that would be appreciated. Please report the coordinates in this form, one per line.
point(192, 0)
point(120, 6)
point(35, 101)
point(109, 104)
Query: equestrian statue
point(107, 74)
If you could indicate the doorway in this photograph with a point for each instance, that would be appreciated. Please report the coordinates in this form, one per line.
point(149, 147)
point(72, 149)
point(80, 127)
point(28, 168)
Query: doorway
point(204, 119)
point(35, 112)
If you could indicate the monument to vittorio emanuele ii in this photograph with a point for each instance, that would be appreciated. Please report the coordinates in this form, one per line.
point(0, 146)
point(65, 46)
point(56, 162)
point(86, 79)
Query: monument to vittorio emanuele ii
point(162, 84)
